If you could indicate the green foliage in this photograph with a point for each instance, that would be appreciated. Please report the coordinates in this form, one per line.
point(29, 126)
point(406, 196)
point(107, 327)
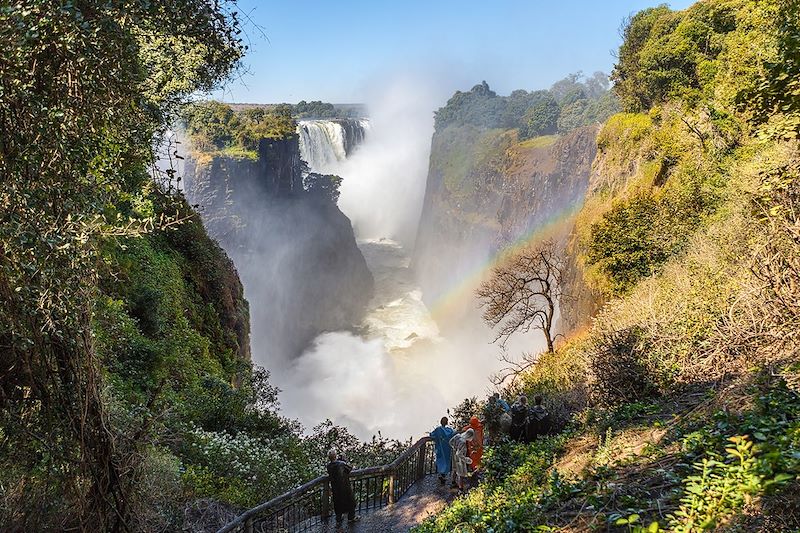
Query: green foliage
point(569, 104)
point(316, 110)
point(213, 126)
point(480, 107)
point(742, 53)
point(672, 198)
point(671, 54)
point(541, 117)
point(627, 243)
point(83, 93)
point(718, 488)
point(772, 96)
point(323, 186)
point(620, 370)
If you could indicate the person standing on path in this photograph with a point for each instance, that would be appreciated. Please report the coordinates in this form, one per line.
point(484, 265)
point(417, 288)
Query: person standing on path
point(519, 416)
point(501, 402)
point(441, 437)
point(475, 447)
point(461, 460)
point(538, 421)
point(342, 492)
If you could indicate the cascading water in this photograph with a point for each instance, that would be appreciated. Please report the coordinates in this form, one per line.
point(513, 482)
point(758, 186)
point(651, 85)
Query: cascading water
point(396, 372)
point(326, 143)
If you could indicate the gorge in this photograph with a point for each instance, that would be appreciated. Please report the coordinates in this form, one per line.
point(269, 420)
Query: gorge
point(420, 334)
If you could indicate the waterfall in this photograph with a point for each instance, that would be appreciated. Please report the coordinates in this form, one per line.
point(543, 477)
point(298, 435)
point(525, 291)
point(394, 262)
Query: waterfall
point(326, 143)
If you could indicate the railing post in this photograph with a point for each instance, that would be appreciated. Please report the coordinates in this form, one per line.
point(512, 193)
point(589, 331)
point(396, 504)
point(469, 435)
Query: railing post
point(391, 486)
point(421, 463)
point(325, 508)
point(248, 525)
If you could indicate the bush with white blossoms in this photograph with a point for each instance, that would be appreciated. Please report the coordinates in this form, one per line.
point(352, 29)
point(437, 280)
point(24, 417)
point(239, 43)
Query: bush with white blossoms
point(241, 469)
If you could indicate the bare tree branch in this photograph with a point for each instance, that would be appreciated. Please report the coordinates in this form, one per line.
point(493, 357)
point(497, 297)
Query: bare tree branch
point(523, 292)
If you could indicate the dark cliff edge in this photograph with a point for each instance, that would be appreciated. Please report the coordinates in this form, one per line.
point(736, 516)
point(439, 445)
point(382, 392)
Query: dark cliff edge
point(296, 252)
point(487, 191)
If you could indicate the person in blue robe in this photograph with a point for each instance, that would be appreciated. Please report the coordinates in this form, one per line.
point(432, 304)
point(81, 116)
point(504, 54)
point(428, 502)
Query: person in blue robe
point(441, 438)
point(501, 402)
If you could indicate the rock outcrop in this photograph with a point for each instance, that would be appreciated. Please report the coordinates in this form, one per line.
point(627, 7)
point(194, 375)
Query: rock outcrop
point(487, 191)
point(297, 254)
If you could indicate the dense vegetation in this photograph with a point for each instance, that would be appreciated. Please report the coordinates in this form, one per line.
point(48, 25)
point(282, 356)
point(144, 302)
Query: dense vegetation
point(680, 402)
point(127, 397)
point(316, 109)
point(214, 126)
point(569, 104)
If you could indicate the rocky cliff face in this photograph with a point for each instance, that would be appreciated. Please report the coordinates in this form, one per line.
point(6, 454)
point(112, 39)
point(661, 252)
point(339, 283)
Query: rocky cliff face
point(297, 254)
point(486, 191)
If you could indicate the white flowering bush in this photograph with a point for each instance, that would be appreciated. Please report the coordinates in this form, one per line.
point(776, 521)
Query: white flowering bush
point(240, 469)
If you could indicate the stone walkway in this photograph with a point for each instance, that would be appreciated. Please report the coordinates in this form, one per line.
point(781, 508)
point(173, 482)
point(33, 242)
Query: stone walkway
point(423, 499)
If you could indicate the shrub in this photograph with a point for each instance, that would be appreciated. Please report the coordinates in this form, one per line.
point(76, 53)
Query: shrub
point(462, 413)
point(619, 369)
point(540, 118)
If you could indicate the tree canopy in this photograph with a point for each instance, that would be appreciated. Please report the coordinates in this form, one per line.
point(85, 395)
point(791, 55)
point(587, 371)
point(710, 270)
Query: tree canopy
point(569, 104)
point(84, 91)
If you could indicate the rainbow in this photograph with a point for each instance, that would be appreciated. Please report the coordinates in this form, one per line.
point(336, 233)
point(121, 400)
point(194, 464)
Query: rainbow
point(460, 294)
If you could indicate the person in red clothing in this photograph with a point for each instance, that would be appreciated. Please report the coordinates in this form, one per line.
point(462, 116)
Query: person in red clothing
point(475, 447)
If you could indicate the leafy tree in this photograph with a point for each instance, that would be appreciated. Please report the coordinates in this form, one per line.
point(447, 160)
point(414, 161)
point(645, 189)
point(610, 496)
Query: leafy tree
point(533, 113)
point(542, 116)
point(83, 93)
point(323, 186)
point(273, 123)
point(573, 115)
point(212, 125)
point(314, 109)
point(479, 107)
point(216, 126)
point(566, 85)
point(596, 85)
point(667, 53)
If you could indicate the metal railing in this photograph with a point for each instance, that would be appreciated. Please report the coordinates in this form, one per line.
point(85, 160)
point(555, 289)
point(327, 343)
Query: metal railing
point(309, 505)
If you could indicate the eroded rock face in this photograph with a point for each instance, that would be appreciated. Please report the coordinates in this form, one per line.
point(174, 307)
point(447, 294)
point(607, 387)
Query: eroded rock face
point(297, 255)
point(509, 193)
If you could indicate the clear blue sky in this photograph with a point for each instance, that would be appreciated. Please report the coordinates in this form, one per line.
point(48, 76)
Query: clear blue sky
point(332, 50)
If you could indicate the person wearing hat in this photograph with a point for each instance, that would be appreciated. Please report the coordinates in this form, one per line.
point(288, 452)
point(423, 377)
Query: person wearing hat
point(341, 491)
point(461, 459)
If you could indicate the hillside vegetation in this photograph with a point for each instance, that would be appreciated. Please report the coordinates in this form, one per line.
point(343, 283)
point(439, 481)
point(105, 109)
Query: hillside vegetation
point(128, 400)
point(679, 404)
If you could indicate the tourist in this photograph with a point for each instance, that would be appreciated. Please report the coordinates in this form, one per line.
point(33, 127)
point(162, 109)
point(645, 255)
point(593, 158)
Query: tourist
point(538, 422)
point(501, 402)
point(441, 437)
point(519, 417)
point(342, 492)
point(475, 447)
point(461, 459)
point(496, 418)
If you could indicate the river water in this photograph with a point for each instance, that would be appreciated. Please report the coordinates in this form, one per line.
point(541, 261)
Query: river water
point(384, 375)
point(395, 373)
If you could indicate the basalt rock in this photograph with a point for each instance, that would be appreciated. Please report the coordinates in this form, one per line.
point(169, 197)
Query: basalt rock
point(296, 253)
point(487, 191)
